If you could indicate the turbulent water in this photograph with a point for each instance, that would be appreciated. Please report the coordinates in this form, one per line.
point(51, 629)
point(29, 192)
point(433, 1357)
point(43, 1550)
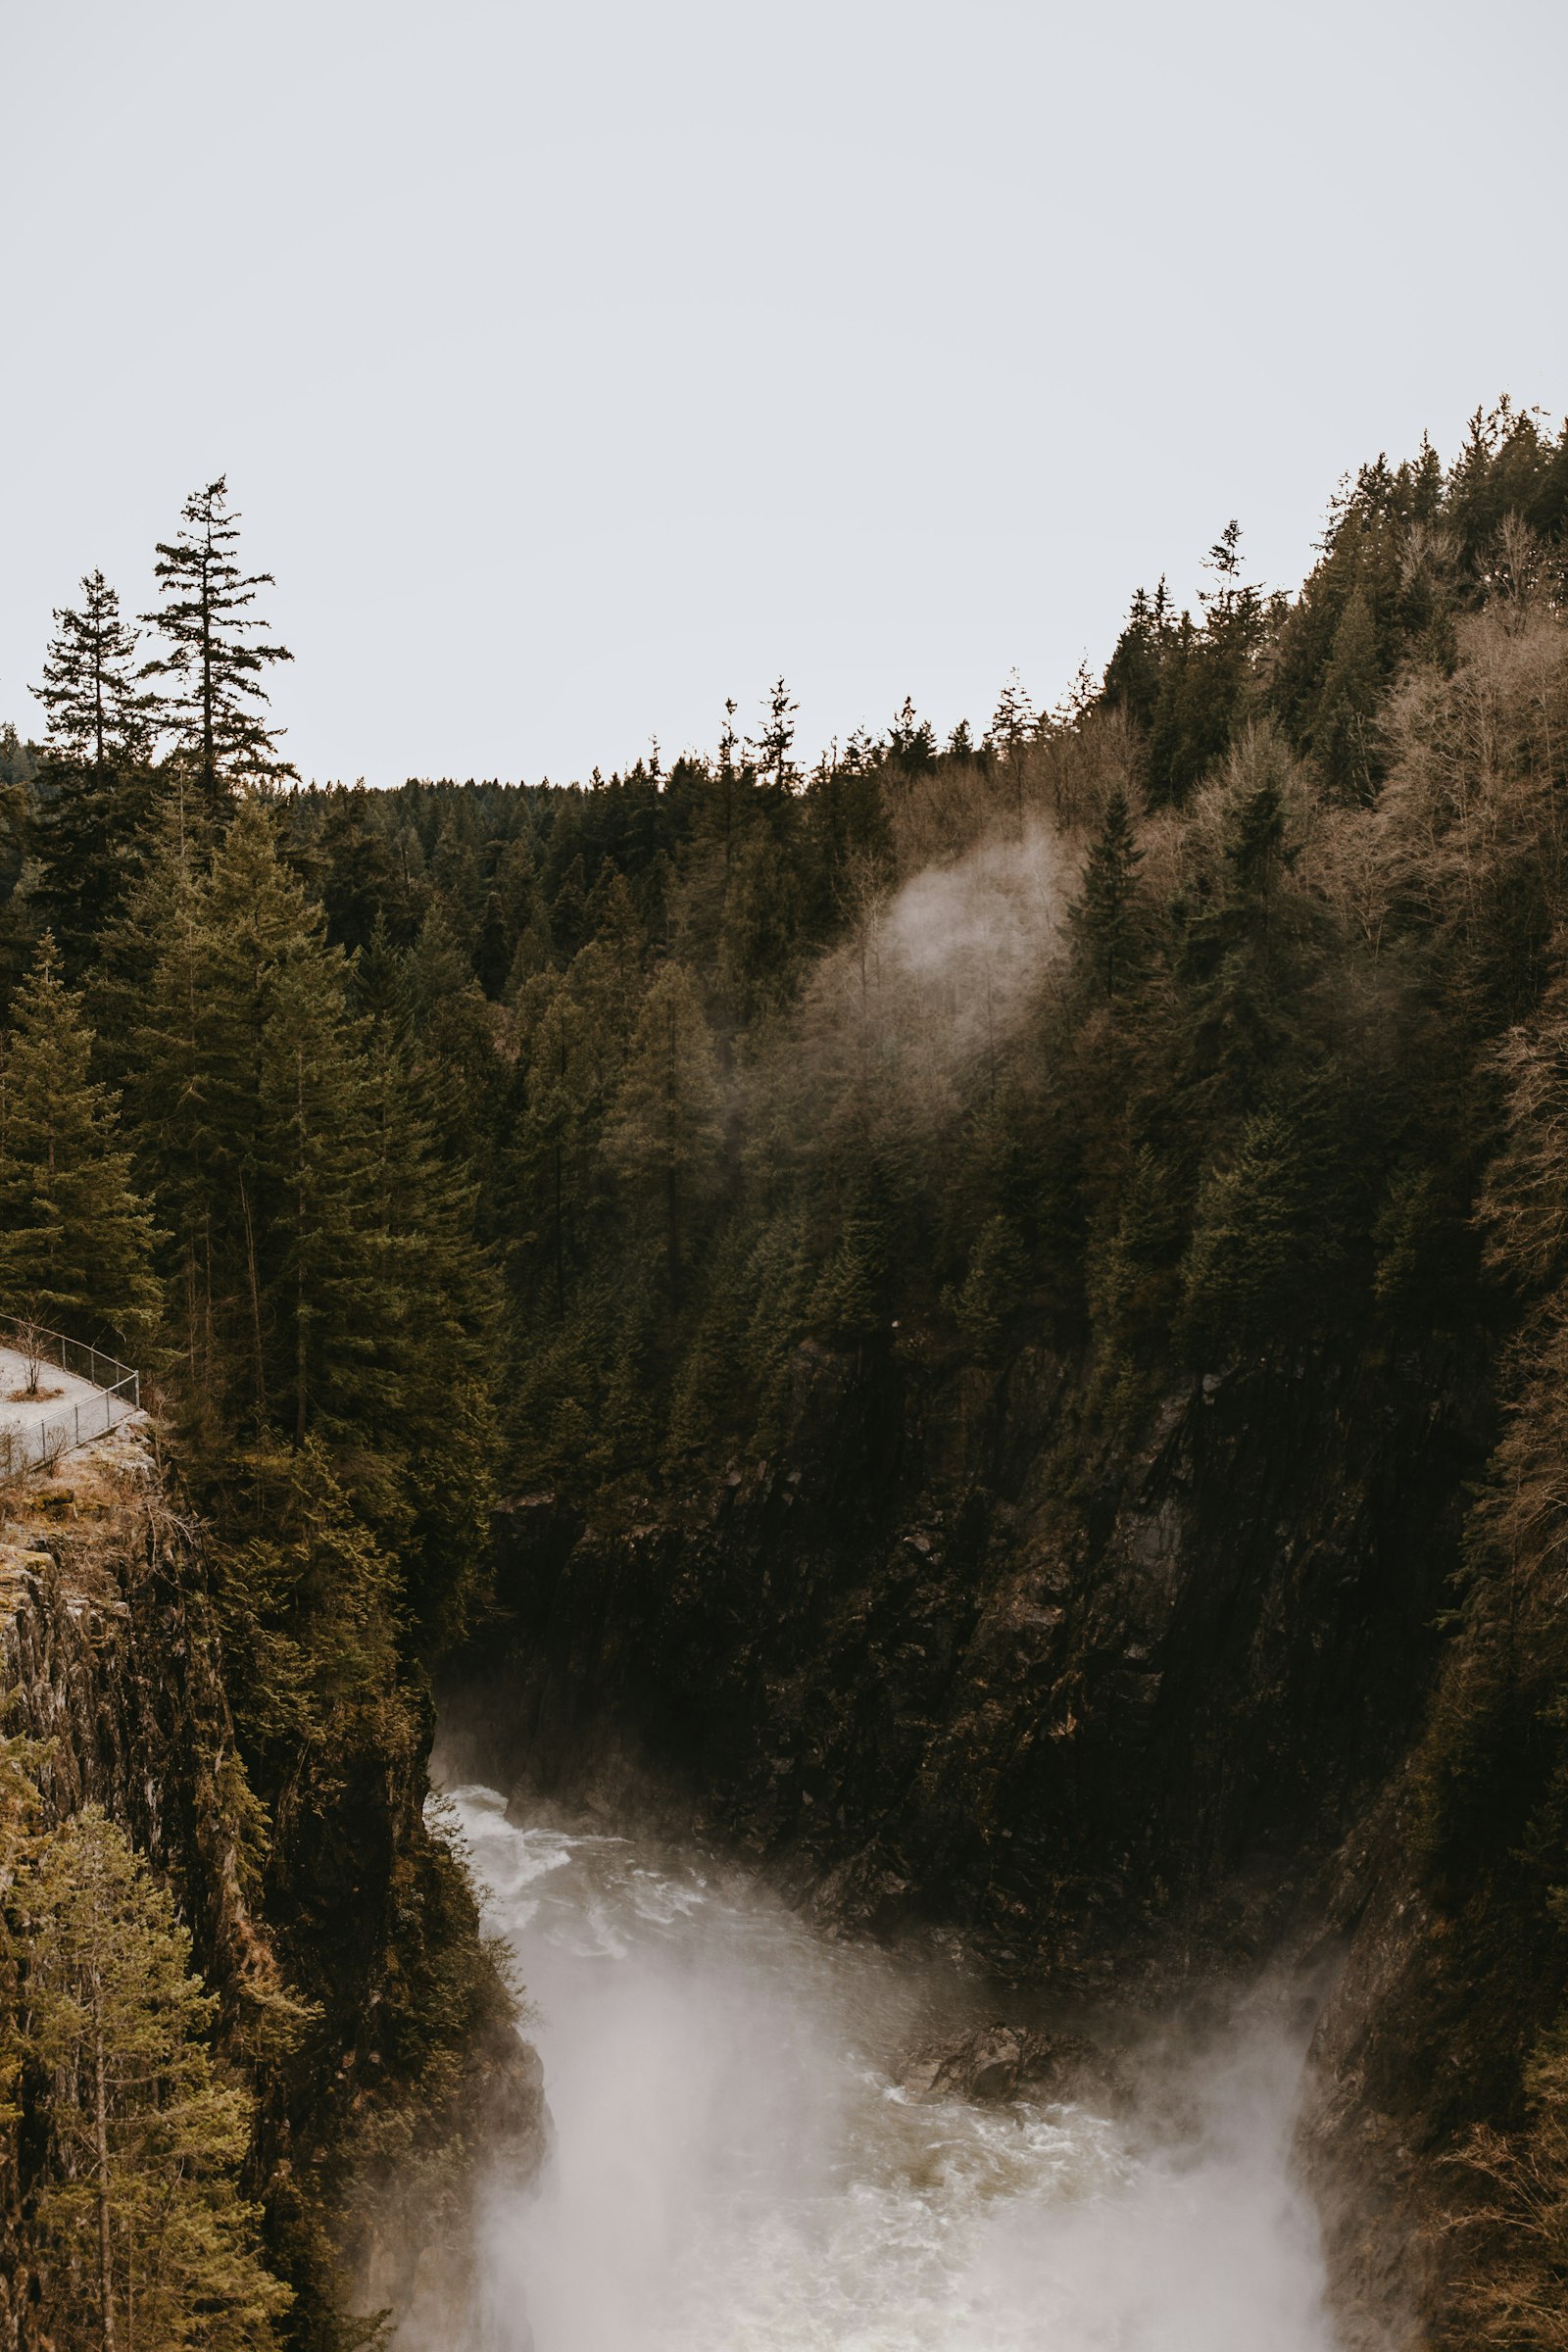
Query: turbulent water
point(736, 2169)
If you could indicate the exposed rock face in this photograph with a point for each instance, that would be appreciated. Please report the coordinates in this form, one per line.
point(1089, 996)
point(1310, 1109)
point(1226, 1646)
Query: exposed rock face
point(1117, 1705)
point(105, 1643)
point(945, 1655)
point(110, 1652)
point(1007, 2062)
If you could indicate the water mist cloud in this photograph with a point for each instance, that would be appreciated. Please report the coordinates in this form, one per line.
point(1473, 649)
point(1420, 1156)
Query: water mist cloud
point(909, 1015)
point(736, 2166)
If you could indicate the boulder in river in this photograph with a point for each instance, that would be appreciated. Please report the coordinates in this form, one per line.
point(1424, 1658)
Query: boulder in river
point(1000, 2061)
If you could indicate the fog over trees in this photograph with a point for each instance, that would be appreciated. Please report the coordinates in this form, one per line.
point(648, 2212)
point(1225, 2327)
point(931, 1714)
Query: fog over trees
point(475, 1138)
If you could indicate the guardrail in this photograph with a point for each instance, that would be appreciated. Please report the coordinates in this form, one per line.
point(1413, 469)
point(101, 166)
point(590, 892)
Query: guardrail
point(45, 1439)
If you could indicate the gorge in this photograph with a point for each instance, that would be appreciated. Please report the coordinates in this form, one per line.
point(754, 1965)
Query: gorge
point(736, 2159)
point(936, 1382)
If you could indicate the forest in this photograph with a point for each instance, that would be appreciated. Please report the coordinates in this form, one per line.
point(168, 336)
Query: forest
point(470, 1140)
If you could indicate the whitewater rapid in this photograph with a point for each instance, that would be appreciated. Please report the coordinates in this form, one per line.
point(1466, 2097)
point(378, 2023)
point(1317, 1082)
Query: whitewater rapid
point(735, 2168)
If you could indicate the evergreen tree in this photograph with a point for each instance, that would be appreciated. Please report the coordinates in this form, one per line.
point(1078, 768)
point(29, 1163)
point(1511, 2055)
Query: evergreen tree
point(850, 1294)
point(1106, 912)
point(1131, 674)
point(911, 739)
point(324, 1275)
point(1251, 1262)
point(667, 1134)
point(547, 1143)
point(435, 1422)
point(98, 715)
point(95, 780)
point(139, 2221)
point(213, 664)
point(1014, 719)
point(245, 1081)
point(760, 930)
point(76, 1242)
point(1344, 734)
point(773, 746)
point(1131, 1277)
point(1204, 674)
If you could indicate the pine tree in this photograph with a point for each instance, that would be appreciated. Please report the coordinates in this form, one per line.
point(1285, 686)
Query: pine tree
point(1015, 720)
point(19, 1812)
point(850, 1294)
point(576, 1049)
point(98, 715)
point(667, 1134)
point(911, 739)
point(215, 667)
point(76, 1242)
point(773, 746)
point(95, 780)
point(139, 2221)
point(324, 1275)
point(1344, 735)
point(1107, 912)
point(435, 1423)
point(1251, 1261)
point(245, 1082)
point(1131, 674)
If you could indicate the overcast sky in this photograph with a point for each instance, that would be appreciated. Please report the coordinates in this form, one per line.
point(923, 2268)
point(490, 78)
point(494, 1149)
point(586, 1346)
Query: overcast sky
point(577, 364)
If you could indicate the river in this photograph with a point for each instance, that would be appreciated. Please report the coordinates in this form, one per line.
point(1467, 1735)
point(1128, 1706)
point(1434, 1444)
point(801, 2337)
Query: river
point(736, 2168)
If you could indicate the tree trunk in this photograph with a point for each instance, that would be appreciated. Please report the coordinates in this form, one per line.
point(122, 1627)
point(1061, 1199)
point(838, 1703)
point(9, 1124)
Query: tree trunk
point(301, 1310)
point(560, 1259)
point(672, 1232)
point(100, 2121)
point(256, 1301)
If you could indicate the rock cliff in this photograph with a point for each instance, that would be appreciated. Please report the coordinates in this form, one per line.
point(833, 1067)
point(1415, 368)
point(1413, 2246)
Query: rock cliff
point(1127, 1707)
point(111, 1655)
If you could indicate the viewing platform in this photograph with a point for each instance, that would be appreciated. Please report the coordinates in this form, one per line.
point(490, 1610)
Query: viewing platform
point(56, 1395)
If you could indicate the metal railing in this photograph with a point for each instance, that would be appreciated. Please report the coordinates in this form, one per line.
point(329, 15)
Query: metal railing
point(43, 1440)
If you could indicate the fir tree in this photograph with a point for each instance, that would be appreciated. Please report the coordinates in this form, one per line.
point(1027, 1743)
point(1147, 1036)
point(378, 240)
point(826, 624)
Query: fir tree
point(1344, 734)
point(1131, 674)
point(773, 746)
point(434, 1423)
point(95, 780)
point(247, 1089)
point(76, 1242)
point(1106, 912)
point(1251, 1261)
point(1015, 720)
point(213, 664)
point(666, 1132)
point(911, 739)
point(98, 715)
point(139, 2220)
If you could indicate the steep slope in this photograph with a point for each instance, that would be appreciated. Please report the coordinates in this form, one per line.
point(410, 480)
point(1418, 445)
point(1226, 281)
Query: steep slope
point(1128, 1716)
point(354, 1994)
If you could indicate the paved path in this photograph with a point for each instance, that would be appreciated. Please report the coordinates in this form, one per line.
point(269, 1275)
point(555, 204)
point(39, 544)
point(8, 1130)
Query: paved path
point(69, 1412)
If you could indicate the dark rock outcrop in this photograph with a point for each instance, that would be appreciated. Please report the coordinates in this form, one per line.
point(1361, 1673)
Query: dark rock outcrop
point(1004, 2061)
point(1114, 1702)
point(111, 1657)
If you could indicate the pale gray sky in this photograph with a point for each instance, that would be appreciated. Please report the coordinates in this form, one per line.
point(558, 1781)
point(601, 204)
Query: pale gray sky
point(577, 364)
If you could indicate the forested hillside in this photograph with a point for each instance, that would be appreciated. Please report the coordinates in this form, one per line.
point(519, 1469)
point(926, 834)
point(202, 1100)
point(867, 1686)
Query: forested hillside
point(439, 1146)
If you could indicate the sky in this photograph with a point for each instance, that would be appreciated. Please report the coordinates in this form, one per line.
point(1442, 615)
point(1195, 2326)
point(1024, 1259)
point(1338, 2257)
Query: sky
point(575, 366)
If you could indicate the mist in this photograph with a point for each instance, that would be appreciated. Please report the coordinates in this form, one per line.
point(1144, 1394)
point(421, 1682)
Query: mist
point(906, 1021)
point(737, 2164)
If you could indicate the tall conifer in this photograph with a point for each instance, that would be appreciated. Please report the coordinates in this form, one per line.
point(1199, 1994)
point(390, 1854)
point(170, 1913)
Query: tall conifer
point(95, 783)
point(139, 2217)
point(666, 1130)
point(1105, 914)
point(215, 667)
point(76, 1242)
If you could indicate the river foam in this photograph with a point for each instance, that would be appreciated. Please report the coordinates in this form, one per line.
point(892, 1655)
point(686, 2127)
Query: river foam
point(736, 2169)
